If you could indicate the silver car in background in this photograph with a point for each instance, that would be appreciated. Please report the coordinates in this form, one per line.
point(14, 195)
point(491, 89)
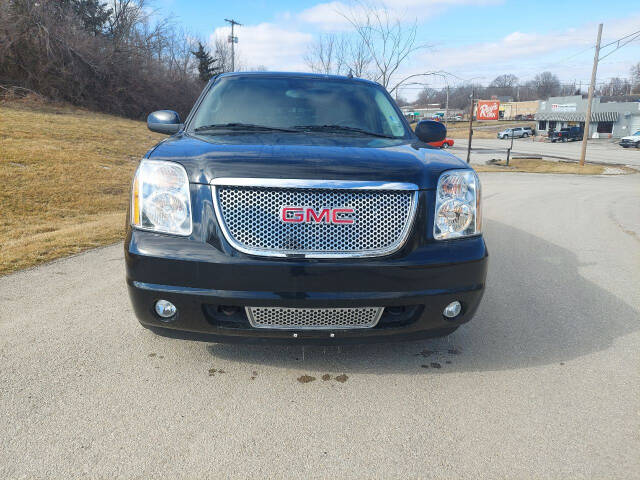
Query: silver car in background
point(516, 132)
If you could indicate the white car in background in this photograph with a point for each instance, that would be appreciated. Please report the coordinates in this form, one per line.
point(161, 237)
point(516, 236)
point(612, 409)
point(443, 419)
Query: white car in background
point(631, 140)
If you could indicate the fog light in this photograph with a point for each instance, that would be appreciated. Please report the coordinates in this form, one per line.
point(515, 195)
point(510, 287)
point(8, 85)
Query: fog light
point(165, 309)
point(452, 310)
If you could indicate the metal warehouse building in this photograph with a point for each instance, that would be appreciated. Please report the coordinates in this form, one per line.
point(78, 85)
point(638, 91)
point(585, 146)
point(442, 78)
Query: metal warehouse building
point(608, 119)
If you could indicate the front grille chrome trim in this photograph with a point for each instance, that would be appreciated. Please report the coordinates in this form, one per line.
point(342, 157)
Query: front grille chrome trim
point(340, 185)
point(288, 318)
point(310, 183)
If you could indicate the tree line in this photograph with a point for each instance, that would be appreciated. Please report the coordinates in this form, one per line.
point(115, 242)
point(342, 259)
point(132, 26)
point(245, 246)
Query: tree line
point(117, 57)
point(379, 43)
point(541, 87)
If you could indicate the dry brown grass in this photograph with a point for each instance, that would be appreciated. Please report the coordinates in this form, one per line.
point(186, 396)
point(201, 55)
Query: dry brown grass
point(65, 176)
point(534, 165)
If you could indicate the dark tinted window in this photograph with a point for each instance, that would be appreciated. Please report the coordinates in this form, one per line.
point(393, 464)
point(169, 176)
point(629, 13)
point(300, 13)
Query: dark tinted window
point(287, 102)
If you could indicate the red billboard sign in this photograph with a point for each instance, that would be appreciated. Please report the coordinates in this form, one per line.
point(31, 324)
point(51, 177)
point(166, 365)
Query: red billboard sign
point(488, 110)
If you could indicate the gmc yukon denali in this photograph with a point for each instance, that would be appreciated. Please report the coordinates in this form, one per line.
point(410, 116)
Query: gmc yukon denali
point(301, 208)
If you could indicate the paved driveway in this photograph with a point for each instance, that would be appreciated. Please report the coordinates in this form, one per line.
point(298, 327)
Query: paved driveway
point(544, 383)
point(601, 151)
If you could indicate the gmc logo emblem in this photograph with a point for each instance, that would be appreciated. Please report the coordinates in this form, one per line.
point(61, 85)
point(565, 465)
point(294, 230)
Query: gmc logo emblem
point(324, 215)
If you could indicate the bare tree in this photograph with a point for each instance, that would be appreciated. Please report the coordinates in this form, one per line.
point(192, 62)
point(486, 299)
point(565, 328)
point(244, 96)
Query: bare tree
point(389, 42)
point(354, 56)
point(546, 84)
point(322, 55)
point(129, 63)
point(376, 49)
point(339, 54)
point(402, 102)
point(222, 54)
point(507, 80)
point(635, 78)
point(427, 96)
point(616, 87)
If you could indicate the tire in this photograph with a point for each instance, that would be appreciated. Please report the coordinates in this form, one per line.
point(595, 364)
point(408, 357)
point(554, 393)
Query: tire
point(637, 144)
point(525, 135)
point(445, 145)
point(564, 140)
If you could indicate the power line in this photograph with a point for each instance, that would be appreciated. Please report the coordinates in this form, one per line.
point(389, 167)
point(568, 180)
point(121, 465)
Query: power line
point(635, 37)
point(619, 40)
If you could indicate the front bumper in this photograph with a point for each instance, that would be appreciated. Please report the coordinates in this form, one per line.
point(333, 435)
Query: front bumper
point(200, 279)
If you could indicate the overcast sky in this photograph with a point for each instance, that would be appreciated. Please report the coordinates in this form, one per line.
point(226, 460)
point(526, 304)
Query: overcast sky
point(469, 38)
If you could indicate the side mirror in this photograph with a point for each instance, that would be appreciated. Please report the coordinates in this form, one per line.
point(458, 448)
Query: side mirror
point(164, 121)
point(430, 131)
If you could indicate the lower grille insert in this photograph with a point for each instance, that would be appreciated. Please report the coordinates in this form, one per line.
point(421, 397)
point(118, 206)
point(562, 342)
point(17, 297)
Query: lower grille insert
point(314, 318)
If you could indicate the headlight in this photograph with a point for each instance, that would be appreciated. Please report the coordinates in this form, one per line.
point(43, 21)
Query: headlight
point(160, 198)
point(458, 212)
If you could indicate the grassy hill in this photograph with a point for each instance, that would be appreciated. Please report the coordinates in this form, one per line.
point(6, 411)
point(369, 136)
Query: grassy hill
point(65, 175)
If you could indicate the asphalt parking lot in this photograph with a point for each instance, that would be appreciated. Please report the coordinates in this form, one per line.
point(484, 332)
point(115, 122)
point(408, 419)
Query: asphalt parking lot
point(543, 383)
point(599, 151)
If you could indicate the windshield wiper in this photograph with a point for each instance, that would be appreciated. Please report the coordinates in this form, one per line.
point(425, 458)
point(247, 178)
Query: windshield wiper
point(241, 127)
point(340, 128)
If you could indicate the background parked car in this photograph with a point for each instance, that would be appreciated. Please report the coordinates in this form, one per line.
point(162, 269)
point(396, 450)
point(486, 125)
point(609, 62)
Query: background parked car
point(516, 132)
point(445, 143)
point(631, 140)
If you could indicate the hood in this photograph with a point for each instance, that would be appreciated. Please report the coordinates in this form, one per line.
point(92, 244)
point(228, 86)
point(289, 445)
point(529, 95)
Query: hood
point(319, 157)
point(633, 138)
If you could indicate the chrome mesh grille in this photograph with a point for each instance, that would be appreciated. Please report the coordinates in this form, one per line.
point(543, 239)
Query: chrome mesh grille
point(313, 318)
point(251, 218)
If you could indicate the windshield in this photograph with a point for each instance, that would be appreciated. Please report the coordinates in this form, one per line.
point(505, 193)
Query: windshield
point(298, 104)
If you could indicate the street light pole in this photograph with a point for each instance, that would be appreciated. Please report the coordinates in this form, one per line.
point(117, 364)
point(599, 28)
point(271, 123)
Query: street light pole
point(470, 126)
point(510, 148)
point(446, 105)
point(587, 120)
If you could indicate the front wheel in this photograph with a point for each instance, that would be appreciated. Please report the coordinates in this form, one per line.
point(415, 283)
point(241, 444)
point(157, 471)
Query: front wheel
point(564, 140)
point(637, 144)
point(525, 135)
point(445, 145)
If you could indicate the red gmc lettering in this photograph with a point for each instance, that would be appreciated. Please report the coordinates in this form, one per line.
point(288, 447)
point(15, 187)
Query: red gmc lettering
point(309, 215)
point(292, 214)
point(336, 211)
point(324, 216)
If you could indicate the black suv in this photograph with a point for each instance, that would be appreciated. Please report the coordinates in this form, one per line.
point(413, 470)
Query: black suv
point(569, 134)
point(302, 208)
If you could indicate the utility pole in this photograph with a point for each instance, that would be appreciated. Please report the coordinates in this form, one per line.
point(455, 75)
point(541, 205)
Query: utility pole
point(233, 40)
point(446, 107)
point(470, 126)
point(592, 85)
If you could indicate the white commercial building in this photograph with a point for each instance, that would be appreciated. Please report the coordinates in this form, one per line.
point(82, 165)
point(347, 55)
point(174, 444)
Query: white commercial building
point(608, 119)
